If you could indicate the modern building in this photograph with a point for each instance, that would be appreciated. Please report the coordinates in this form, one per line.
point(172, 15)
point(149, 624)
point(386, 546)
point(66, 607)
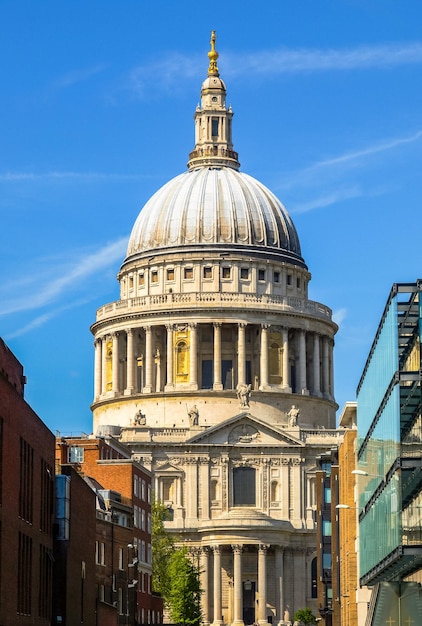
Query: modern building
point(390, 461)
point(26, 503)
point(217, 369)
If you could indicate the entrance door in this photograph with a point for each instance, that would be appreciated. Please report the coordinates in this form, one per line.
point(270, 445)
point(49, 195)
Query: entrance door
point(248, 602)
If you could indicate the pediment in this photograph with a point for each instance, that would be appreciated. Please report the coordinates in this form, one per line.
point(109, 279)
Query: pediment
point(165, 467)
point(246, 430)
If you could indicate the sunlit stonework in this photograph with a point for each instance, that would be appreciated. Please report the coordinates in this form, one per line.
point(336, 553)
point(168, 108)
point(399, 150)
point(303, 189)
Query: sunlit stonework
point(217, 371)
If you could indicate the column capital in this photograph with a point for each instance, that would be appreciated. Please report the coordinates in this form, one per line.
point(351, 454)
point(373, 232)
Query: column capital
point(242, 324)
point(147, 328)
point(169, 327)
point(237, 548)
point(129, 331)
point(217, 324)
point(265, 326)
point(216, 549)
point(263, 547)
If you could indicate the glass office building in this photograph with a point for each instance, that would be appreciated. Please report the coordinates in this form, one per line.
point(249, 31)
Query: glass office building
point(390, 448)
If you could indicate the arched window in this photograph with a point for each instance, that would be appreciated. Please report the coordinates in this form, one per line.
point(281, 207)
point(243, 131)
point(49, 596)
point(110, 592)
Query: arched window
point(244, 486)
point(182, 368)
point(274, 363)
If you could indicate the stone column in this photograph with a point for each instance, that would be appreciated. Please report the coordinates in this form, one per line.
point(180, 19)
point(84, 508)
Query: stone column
point(262, 584)
point(130, 363)
point(115, 363)
point(302, 363)
point(317, 382)
point(217, 586)
point(217, 383)
point(241, 356)
point(205, 562)
point(148, 360)
point(279, 589)
point(325, 368)
point(103, 365)
point(331, 343)
point(97, 368)
point(263, 364)
point(193, 357)
point(237, 585)
point(286, 374)
point(157, 361)
point(170, 352)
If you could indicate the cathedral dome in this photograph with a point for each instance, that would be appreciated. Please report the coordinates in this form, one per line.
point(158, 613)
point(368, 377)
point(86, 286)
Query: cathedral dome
point(215, 207)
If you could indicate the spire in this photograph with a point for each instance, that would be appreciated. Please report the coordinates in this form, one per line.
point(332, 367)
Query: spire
point(213, 56)
point(213, 121)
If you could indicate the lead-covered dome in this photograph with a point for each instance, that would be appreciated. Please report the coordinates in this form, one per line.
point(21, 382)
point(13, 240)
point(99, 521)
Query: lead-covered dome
point(215, 206)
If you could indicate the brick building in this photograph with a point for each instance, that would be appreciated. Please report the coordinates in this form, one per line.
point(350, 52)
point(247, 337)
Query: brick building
point(74, 587)
point(26, 503)
point(123, 525)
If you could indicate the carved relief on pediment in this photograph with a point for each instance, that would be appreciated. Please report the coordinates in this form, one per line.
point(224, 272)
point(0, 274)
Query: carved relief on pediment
point(244, 433)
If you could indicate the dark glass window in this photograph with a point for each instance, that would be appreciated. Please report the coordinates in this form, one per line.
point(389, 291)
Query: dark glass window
point(170, 273)
point(207, 272)
point(289, 279)
point(244, 488)
point(215, 126)
point(225, 272)
point(244, 273)
point(261, 274)
point(276, 277)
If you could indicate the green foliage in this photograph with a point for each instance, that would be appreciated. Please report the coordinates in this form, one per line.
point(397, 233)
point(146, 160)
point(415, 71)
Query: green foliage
point(184, 597)
point(305, 616)
point(162, 549)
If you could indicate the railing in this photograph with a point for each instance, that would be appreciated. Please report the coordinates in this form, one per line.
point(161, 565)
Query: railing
point(209, 300)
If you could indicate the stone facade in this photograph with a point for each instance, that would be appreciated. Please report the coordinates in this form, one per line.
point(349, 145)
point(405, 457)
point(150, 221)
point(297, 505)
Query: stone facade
point(216, 370)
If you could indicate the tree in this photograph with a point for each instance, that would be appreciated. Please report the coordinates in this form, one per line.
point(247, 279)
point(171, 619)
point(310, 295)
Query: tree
point(305, 616)
point(162, 549)
point(184, 597)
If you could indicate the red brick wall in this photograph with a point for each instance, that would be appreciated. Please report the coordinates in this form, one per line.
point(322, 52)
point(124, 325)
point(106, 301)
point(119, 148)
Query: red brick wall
point(20, 421)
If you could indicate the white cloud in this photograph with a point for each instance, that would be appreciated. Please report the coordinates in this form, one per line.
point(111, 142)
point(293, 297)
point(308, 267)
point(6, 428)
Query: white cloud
point(174, 68)
point(77, 76)
point(80, 176)
point(339, 316)
point(47, 289)
point(323, 201)
point(388, 144)
point(283, 61)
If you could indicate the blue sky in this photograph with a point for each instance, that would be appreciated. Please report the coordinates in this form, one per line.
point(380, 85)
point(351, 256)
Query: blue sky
point(96, 113)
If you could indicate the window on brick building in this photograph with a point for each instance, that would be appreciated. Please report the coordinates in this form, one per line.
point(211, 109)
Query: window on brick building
point(75, 454)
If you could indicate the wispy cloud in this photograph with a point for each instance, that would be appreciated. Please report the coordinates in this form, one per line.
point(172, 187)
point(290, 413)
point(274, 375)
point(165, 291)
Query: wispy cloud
point(79, 176)
point(79, 75)
point(171, 70)
point(339, 195)
point(51, 289)
point(285, 61)
point(334, 172)
point(339, 316)
point(389, 144)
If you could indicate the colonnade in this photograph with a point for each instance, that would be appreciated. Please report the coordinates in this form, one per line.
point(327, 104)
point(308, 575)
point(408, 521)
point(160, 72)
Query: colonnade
point(301, 361)
point(211, 567)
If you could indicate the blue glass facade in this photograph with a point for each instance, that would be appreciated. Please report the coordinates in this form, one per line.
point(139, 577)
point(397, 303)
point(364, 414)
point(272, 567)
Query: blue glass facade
point(390, 443)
